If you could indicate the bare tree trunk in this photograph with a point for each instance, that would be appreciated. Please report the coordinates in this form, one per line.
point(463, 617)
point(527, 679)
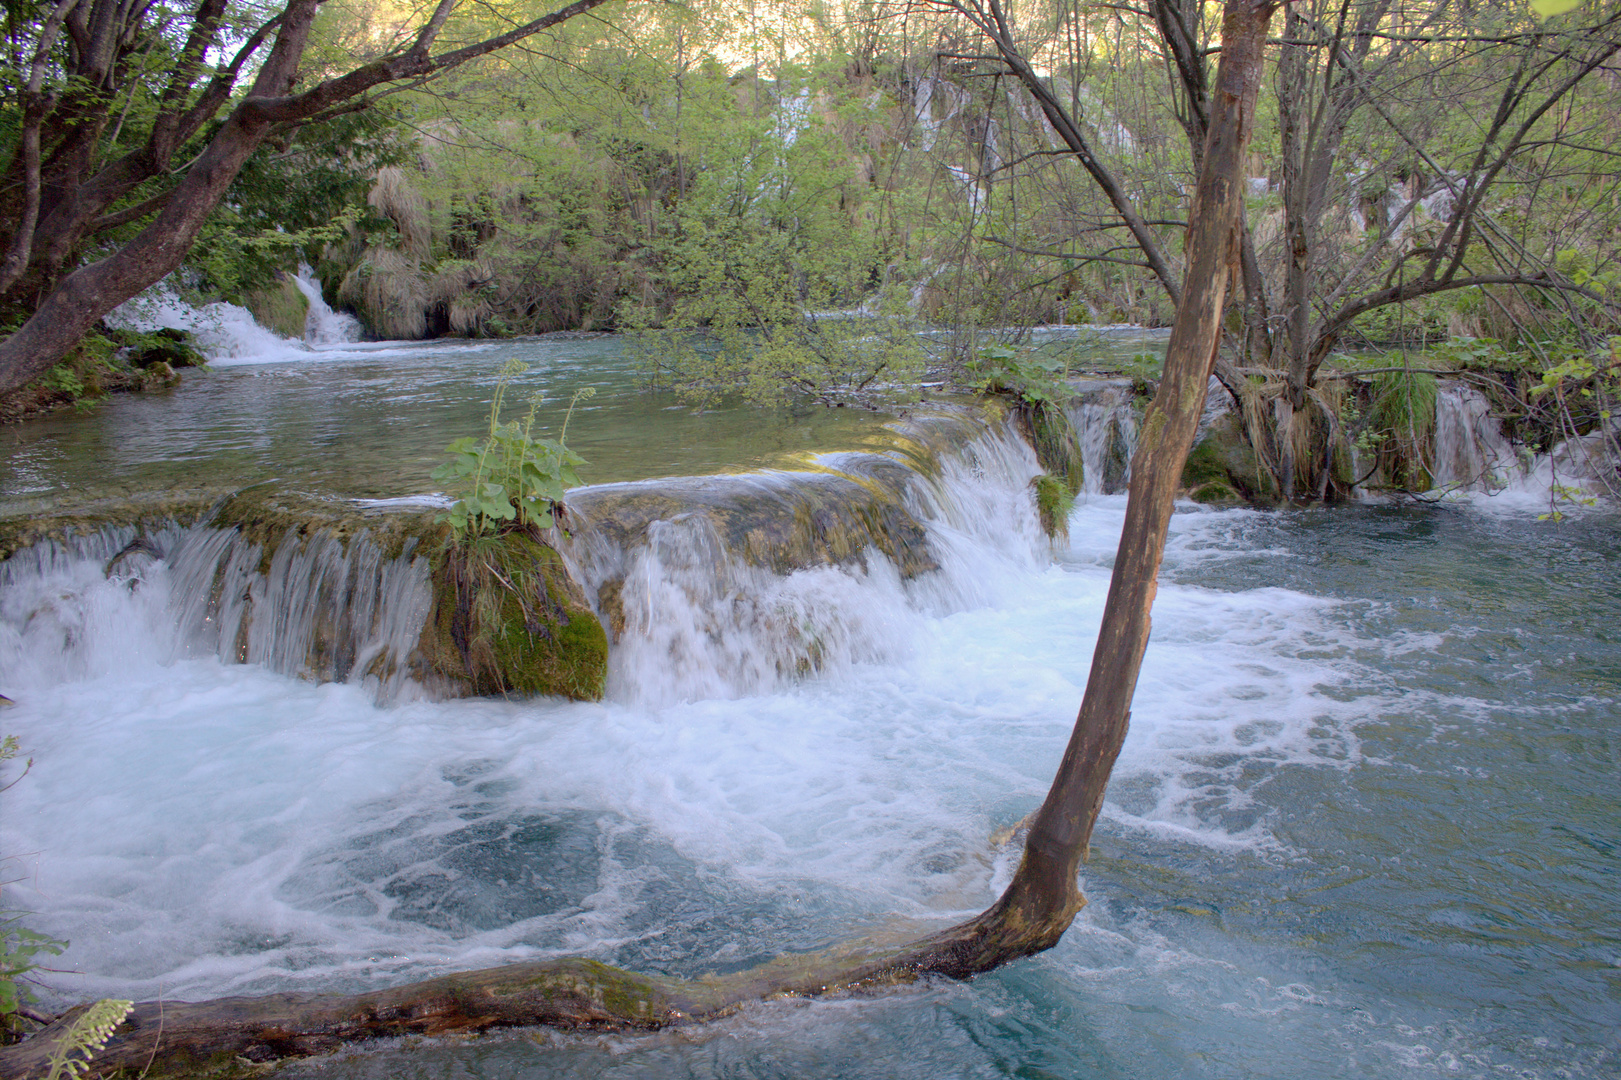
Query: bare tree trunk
point(1042, 899)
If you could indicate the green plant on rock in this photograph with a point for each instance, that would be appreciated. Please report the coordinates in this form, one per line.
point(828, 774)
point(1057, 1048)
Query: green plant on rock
point(508, 619)
point(1054, 501)
point(511, 478)
point(1038, 386)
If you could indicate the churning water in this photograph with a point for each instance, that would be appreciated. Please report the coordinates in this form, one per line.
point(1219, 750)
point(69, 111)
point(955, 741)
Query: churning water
point(1366, 822)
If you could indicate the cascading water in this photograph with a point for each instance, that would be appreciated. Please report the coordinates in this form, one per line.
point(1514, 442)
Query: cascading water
point(316, 607)
point(1352, 727)
point(1104, 416)
point(1469, 450)
point(741, 584)
point(225, 333)
point(323, 327)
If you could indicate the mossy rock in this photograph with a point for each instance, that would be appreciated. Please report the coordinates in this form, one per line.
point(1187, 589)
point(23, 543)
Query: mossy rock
point(163, 346)
point(508, 620)
point(283, 308)
point(1059, 452)
point(1222, 467)
point(1217, 492)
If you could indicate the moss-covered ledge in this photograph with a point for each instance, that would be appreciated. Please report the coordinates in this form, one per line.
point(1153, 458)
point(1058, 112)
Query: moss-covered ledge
point(478, 637)
point(508, 619)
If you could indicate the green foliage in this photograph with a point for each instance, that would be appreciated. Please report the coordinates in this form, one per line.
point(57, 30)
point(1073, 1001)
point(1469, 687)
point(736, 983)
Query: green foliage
point(511, 478)
point(775, 285)
point(86, 1038)
point(20, 953)
point(293, 199)
point(1474, 354)
point(62, 377)
point(1400, 423)
point(1054, 501)
point(1025, 375)
point(1586, 380)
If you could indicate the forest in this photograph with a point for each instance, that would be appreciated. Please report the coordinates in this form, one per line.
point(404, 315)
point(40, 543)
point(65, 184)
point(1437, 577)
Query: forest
point(1431, 180)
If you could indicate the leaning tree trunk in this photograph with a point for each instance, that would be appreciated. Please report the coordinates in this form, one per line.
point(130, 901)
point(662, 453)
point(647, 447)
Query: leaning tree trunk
point(1042, 899)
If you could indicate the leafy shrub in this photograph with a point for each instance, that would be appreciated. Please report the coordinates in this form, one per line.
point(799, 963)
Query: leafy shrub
point(510, 478)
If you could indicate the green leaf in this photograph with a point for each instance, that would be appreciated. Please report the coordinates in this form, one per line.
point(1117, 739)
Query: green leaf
point(1549, 8)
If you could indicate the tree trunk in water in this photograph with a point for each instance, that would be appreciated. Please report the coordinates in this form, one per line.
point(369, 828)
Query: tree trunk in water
point(1029, 917)
point(1043, 889)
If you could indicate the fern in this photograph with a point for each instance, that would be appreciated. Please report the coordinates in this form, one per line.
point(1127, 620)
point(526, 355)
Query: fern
point(87, 1036)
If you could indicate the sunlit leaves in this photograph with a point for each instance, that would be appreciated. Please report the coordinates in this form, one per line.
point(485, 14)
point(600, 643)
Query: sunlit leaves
point(1549, 8)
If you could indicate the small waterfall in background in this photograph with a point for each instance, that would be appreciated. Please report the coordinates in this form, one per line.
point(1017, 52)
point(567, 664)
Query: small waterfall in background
point(323, 327)
point(1104, 414)
point(227, 333)
point(1469, 452)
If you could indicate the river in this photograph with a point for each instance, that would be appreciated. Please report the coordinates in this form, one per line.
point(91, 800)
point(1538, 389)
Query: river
point(1366, 821)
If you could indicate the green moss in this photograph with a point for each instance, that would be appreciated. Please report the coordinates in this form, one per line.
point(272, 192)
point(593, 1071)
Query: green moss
point(1216, 491)
point(1204, 465)
point(1056, 447)
point(1054, 500)
point(1222, 467)
point(282, 308)
point(508, 619)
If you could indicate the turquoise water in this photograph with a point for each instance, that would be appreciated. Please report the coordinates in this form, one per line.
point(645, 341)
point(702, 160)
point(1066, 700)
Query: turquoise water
point(1414, 874)
point(1366, 822)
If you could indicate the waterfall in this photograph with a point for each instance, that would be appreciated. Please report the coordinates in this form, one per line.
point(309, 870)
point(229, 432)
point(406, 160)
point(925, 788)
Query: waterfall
point(714, 586)
point(225, 333)
point(323, 327)
point(1105, 422)
point(724, 586)
point(1469, 451)
point(315, 607)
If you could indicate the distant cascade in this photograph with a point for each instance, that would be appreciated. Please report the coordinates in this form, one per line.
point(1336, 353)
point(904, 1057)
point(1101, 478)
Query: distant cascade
point(324, 327)
point(317, 608)
point(225, 333)
point(1104, 416)
point(1469, 451)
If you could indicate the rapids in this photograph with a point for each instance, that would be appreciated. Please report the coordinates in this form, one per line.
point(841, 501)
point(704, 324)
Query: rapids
point(1365, 823)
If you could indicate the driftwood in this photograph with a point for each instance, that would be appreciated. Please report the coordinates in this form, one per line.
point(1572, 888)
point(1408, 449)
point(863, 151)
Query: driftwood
point(1030, 916)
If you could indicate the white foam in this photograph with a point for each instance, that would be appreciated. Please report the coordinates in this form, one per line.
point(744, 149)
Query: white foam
point(225, 333)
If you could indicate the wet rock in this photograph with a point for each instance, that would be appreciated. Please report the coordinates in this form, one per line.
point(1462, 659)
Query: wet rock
point(1223, 468)
point(507, 619)
point(165, 346)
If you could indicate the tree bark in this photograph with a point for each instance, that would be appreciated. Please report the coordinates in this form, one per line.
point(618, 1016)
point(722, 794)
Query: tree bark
point(1043, 897)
